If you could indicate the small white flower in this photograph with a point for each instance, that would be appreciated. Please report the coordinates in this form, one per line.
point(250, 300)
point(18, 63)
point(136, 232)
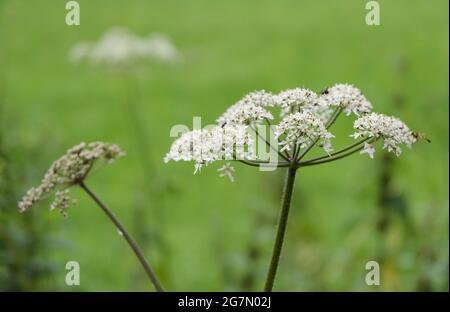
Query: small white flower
point(301, 129)
point(368, 149)
point(227, 170)
point(391, 130)
point(348, 97)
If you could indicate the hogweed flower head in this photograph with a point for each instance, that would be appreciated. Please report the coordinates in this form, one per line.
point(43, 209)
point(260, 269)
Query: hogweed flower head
point(348, 97)
point(204, 146)
point(391, 130)
point(249, 110)
point(70, 169)
point(298, 100)
point(260, 98)
point(304, 123)
point(299, 129)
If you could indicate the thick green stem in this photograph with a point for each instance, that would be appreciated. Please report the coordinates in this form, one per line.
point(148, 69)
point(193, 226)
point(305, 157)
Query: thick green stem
point(286, 203)
point(152, 276)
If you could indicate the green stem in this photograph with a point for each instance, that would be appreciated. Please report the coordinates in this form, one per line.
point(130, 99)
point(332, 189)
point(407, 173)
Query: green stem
point(333, 117)
point(269, 164)
point(134, 246)
point(312, 163)
point(287, 197)
point(336, 153)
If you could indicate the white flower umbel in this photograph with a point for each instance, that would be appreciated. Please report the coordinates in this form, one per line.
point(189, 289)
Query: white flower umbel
point(72, 169)
point(204, 146)
point(297, 100)
point(348, 97)
point(260, 98)
point(391, 130)
point(301, 129)
point(304, 124)
point(249, 110)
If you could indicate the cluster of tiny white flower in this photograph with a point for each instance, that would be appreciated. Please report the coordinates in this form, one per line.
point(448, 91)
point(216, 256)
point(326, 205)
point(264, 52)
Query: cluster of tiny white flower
point(301, 129)
point(62, 202)
point(391, 130)
point(72, 168)
point(348, 97)
point(303, 100)
point(305, 121)
point(204, 146)
point(249, 110)
point(297, 100)
point(118, 47)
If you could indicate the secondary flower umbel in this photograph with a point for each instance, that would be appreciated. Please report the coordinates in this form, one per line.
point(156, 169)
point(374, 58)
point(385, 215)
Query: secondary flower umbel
point(304, 123)
point(71, 169)
point(391, 130)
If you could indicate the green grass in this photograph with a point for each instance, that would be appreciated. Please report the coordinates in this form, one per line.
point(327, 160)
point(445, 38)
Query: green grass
point(231, 48)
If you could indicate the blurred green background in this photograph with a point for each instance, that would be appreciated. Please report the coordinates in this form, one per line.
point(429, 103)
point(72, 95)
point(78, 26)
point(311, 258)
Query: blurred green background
point(202, 232)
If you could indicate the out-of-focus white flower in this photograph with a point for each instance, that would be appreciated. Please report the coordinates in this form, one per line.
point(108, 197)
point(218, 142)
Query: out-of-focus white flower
point(204, 146)
point(72, 168)
point(301, 129)
point(348, 97)
point(227, 171)
point(158, 46)
point(118, 47)
point(368, 149)
point(80, 51)
point(391, 130)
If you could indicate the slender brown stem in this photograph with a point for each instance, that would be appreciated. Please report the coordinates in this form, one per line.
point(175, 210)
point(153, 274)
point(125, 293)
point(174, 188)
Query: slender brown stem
point(287, 197)
point(131, 242)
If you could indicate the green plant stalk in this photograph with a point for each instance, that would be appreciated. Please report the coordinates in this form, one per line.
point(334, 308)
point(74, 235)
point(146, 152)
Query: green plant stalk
point(286, 204)
point(131, 242)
